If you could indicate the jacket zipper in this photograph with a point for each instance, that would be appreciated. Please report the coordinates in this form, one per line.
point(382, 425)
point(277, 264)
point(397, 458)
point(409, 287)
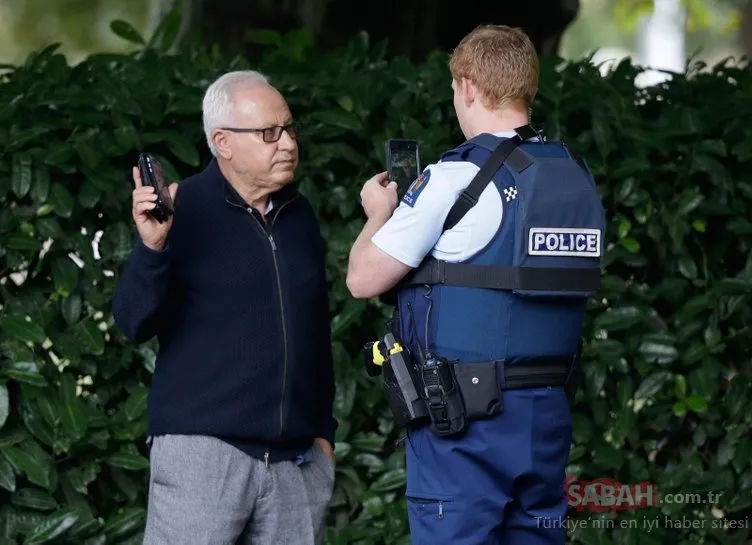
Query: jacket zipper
point(268, 233)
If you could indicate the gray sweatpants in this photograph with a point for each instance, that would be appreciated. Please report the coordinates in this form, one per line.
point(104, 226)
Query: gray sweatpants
point(203, 491)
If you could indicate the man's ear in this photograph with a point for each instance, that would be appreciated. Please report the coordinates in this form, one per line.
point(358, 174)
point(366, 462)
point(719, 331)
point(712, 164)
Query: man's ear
point(468, 91)
point(222, 144)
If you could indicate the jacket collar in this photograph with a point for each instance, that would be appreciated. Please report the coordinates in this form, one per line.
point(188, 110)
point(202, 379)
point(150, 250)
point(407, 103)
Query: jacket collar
point(230, 195)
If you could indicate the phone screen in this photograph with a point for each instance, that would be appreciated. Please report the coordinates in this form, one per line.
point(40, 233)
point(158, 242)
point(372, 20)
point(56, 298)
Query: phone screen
point(403, 161)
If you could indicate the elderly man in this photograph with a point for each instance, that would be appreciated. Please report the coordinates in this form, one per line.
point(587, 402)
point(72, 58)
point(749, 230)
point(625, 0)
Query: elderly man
point(234, 288)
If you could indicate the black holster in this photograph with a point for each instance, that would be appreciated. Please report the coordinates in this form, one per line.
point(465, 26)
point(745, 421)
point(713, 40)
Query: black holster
point(400, 378)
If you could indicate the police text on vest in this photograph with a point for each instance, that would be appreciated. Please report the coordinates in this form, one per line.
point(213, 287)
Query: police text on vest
point(564, 241)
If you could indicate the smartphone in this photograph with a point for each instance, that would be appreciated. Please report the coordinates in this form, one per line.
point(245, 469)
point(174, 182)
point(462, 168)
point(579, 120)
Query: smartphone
point(402, 161)
point(153, 175)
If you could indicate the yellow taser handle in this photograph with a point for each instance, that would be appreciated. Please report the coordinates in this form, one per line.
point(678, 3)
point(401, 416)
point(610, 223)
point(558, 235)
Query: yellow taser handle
point(378, 358)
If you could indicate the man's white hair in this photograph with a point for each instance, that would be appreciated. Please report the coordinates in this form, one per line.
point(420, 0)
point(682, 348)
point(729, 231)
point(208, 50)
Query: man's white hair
point(218, 100)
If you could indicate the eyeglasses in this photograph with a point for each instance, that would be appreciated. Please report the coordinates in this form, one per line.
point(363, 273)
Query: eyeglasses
point(269, 134)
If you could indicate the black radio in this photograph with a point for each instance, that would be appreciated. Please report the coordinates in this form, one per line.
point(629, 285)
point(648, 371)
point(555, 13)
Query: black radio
point(443, 397)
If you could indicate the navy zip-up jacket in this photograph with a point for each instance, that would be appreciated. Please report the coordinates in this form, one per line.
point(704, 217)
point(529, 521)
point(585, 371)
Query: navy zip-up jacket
point(239, 305)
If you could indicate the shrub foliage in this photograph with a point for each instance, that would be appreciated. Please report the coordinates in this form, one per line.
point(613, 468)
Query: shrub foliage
point(667, 352)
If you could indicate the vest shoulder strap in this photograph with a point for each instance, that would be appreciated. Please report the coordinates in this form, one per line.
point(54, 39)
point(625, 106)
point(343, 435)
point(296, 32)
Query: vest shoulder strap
point(500, 153)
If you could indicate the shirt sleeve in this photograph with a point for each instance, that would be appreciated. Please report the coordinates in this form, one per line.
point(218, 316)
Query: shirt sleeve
point(417, 223)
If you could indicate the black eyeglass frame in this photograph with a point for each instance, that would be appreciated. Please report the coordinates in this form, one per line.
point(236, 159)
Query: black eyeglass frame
point(269, 134)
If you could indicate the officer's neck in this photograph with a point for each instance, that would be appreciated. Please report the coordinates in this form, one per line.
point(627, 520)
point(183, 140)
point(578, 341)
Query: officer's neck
point(503, 120)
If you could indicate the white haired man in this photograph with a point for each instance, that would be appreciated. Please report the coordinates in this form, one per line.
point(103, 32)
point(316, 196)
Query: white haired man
point(233, 286)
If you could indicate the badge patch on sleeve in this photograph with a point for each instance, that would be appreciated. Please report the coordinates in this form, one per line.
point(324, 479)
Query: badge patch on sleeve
point(413, 192)
point(564, 241)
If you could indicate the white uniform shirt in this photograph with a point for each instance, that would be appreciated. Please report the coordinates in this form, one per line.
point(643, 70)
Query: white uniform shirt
point(414, 229)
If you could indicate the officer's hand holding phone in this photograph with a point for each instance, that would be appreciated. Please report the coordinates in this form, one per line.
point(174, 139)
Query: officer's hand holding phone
point(379, 197)
point(148, 211)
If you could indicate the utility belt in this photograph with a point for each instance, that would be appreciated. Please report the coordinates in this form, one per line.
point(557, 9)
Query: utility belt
point(429, 389)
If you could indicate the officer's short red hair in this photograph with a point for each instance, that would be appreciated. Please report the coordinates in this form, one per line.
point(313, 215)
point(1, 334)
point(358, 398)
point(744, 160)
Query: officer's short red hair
point(502, 63)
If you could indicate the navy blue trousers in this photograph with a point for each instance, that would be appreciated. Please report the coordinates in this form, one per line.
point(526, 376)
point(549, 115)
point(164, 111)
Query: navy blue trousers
point(502, 483)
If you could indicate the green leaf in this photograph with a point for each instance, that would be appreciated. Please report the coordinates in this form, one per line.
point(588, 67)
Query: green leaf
point(24, 242)
point(743, 149)
point(733, 286)
point(126, 460)
point(116, 242)
point(680, 386)
point(620, 318)
point(136, 404)
point(61, 200)
point(7, 474)
point(630, 244)
point(40, 187)
point(743, 455)
point(49, 227)
point(263, 36)
point(338, 118)
point(4, 404)
point(81, 477)
point(166, 32)
point(697, 404)
point(91, 336)
point(368, 442)
point(24, 329)
point(37, 471)
point(689, 202)
point(124, 523)
point(390, 481)
point(126, 31)
point(183, 149)
point(652, 384)
point(658, 349)
point(34, 499)
point(71, 308)
point(687, 267)
point(725, 451)
point(72, 416)
point(700, 436)
point(717, 147)
point(346, 103)
point(54, 526)
point(21, 177)
point(65, 274)
point(27, 372)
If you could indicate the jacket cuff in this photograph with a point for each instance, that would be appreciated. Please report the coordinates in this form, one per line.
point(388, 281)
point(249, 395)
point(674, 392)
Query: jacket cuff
point(149, 257)
point(329, 430)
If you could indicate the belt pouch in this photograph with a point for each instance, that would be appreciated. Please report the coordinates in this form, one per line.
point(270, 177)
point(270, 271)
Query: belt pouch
point(480, 387)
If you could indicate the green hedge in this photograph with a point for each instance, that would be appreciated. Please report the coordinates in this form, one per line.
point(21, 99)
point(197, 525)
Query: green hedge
point(667, 340)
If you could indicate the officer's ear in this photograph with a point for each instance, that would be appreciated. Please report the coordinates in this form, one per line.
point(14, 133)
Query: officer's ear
point(467, 91)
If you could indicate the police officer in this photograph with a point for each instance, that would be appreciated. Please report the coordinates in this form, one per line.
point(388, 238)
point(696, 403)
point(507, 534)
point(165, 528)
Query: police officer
point(492, 253)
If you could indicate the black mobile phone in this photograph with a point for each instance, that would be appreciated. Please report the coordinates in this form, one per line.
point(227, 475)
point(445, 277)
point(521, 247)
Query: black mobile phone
point(402, 161)
point(153, 175)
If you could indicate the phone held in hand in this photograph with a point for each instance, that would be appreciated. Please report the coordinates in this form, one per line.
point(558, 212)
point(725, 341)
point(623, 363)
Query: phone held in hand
point(153, 175)
point(402, 161)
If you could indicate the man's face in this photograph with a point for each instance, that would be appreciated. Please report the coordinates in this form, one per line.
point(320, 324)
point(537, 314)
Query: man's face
point(266, 163)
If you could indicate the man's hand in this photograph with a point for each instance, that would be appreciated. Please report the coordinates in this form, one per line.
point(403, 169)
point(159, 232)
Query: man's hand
point(379, 197)
point(326, 447)
point(152, 233)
